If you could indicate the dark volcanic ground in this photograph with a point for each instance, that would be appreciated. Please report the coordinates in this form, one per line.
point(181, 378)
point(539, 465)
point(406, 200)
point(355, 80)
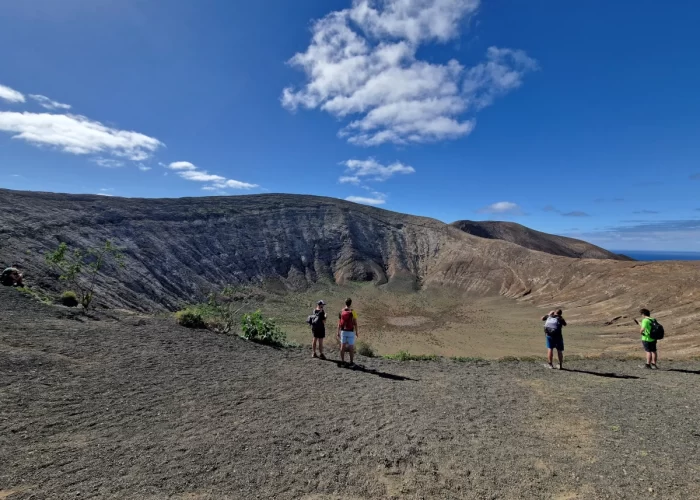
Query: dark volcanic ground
point(136, 407)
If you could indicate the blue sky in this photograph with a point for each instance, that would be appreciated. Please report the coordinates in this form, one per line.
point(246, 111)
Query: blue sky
point(573, 118)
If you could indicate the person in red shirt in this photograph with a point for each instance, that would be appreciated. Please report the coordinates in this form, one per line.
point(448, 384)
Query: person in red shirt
point(347, 332)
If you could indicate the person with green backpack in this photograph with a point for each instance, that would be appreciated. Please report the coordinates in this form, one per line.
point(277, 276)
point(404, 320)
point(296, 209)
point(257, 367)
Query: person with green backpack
point(651, 331)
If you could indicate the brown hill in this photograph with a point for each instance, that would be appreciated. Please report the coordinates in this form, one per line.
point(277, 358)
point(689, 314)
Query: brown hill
point(178, 250)
point(535, 240)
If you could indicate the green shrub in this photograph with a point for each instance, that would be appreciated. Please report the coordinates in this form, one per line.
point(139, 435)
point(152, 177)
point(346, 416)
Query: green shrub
point(364, 349)
point(190, 318)
point(70, 299)
point(465, 359)
point(407, 356)
point(263, 331)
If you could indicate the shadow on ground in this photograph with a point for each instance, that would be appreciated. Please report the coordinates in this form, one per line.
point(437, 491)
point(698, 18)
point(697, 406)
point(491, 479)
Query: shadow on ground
point(678, 370)
point(603, 374)
point(364, 369)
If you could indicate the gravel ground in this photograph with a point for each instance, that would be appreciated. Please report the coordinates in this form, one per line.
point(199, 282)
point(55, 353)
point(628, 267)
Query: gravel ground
point(137, 407)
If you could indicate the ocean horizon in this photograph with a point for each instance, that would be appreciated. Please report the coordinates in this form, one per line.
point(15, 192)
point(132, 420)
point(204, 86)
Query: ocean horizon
point(658, 255)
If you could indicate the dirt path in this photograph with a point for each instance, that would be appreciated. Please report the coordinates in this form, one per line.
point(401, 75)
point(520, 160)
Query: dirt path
point(140, 408)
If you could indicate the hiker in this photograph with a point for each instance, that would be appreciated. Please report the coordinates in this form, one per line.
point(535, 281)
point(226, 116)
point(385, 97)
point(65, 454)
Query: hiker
point(347, 332)
point(11, 277)
point(553, 325)
point(317, 320)
point(651, 331)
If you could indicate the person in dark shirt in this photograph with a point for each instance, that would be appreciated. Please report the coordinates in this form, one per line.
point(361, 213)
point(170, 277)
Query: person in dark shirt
point(554, 323)
point(318, 329)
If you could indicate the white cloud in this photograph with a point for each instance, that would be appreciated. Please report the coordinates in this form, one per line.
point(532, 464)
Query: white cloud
point(181, 165)
point(374, 170)
point(144, 168)
point(190, 172)
point(367, 201)
point(11, 95)
point(108, 162)
point(200, 176)
point(47, 103)
point(502, 207)
point(77, 135)
point(363, 62)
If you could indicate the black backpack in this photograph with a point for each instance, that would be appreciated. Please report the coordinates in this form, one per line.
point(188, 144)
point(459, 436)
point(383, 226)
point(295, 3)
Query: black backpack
point(315, 320)
point(657, 331)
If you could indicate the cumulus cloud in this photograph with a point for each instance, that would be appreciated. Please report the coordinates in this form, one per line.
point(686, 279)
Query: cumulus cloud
point(144, 168)
point(190, 172)
point(372, 170)
point(503, 208)
point(47, 103)
point(77, 135)
point(362, 63)
point(11, 95)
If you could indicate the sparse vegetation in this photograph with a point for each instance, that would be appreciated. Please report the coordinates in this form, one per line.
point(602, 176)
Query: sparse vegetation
point(466, 359)
point(190, 318)
point(364, 349)
point(407, 356)
point(35, 294)
point(258, 329)
point(69, 299)
point(80, 268)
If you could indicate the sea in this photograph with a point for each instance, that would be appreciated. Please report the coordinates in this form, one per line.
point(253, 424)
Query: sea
point(653, 255)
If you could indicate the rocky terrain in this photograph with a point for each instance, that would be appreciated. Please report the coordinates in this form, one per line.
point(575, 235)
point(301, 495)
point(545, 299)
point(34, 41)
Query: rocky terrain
point(535, 240)
point(131, 406)
point(178, 250)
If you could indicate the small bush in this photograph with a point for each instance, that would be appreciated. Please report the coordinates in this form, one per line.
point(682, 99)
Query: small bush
point(467, 359)
point(263, 331)
point(364, 349)
point(69, 299)
point(407, 356)
point(190, 318)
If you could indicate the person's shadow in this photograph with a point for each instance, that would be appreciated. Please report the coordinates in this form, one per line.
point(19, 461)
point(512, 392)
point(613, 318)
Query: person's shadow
point(680, 370)
point(370, 371)
point(603, 374)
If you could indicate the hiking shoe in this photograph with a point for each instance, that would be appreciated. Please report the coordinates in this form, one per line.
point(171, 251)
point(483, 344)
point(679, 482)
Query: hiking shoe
point(314, 355)
point(560, 367)
point(549, 366)
point(323, 357)
point(654, 367)
point(646, 367)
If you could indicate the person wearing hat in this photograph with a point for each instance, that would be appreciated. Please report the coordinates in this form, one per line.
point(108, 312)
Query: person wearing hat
point(317, 320)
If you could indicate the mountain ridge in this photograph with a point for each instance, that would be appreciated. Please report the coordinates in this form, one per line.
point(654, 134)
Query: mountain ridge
point(178, 250)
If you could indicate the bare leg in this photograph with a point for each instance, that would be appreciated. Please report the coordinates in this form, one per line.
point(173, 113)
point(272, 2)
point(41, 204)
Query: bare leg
point(352, 354)
point(320, 346)
point(649, 358)
point(550, 355)
point(342, 353)
point(560, 353)
point(654, 357)
point(313, 345)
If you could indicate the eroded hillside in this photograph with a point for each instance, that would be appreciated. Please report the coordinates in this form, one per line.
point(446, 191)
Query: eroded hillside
point(178, 250)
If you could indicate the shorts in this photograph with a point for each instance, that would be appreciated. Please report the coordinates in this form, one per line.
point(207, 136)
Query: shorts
point(555, 342)
point(649, 346)
point(321, 334)
point(347, 337)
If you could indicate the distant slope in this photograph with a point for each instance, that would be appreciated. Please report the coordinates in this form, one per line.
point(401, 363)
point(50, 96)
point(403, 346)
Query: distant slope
point(536, 240)
point(178, 250)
